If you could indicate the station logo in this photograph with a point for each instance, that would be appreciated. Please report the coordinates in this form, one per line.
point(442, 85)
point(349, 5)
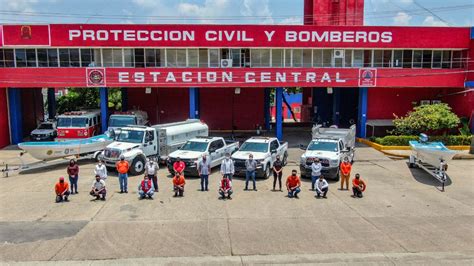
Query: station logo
point(367, 77)
point(25, 32)
point(95, 77)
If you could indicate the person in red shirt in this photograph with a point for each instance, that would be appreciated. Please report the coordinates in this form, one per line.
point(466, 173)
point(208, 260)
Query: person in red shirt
point(62, 190)
point(145, 188)
point(179, 166)
point(293, 185)
point(358, 186)
point(73, 173)
point(178, 184)
point(345, 169)
point(225, 188)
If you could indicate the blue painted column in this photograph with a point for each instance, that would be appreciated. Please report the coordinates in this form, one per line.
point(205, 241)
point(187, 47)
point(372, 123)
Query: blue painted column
point(104, 107)
point(278, 113)
point(336, 105)
point(124, 94)
point(362, 116)
point(266, 107)
point(194, 103)
point(14, 109)
point(51, 103)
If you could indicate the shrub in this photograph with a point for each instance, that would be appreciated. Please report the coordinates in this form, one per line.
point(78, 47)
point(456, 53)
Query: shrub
point(426, 118)
point(403, 140)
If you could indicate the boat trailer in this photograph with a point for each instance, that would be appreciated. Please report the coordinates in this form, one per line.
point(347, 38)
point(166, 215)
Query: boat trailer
point(438, 172)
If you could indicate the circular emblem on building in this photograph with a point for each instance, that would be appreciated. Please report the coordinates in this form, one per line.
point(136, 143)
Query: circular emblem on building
point(96, 77)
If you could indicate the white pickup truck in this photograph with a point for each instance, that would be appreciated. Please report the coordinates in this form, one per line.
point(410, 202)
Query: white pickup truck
point(264, 151)
point(192, 151)
point(331, 146)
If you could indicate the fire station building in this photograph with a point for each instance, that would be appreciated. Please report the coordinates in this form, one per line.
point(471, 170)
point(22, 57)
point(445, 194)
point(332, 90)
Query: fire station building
point(226, 74)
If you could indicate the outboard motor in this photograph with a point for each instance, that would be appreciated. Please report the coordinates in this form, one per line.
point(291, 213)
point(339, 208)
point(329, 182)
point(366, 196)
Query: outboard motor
point(423, 137)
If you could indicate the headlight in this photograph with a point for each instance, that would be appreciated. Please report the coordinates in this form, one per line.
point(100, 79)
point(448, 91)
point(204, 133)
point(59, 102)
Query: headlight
point(334, 162)
point(259, 161)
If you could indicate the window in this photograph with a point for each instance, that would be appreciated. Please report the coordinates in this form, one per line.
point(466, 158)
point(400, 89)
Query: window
point(378, 58)
point(117, 57)
point(236, 56)
point(42, 57)
point(74, 58)
point(348, 58)
point(90, 57)
point(260, 58)
point(446, 59)
point(214, 58)
point(277, 57)
point(8, 57)
point(417, 58)
point(63, 57)
point(139, 55)
point(307, 54)
point(150, 57)
point(220, 144)
point(426, 61)
point(317, 58)
point(297, 59)
point(397, 60)
point(327, 57)
point(407, 58)
point(193, 59)
point(150, 136)
point(288, 59)
point(52, 57)
point(437, 59)
point(31, 57)
point(358, 58)
point(128, 57)
point(107, 57)
point(20, 56)
point(387, 58)
point(338, 58)
point(274, 145)
point(457, 59)
point(176, 57)
point(2, 59)
point(203, 58)
point(367, 58)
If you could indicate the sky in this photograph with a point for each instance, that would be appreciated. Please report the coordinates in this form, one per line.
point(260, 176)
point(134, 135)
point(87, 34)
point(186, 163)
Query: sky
point(377, 12)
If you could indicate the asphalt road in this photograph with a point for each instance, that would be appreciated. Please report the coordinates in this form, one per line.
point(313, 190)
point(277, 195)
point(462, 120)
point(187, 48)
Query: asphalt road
point(402, 219)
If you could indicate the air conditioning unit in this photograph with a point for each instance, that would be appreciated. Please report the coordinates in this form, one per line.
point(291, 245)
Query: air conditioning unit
point(226, 62)
point(435, 101)
point(338, 53)
point(424, 102)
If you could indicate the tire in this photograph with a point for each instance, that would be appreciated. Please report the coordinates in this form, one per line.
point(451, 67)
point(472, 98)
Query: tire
point(267, 173)
point(138, 166)
point(411, 165)
point(337, 177)
point(285, 158)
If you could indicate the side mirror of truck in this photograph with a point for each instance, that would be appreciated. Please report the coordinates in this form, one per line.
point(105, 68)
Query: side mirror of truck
point(302, 147)
point(273, 151)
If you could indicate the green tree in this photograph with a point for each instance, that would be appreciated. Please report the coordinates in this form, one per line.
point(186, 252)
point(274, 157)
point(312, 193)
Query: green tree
point(434, 118)
point(87, 98)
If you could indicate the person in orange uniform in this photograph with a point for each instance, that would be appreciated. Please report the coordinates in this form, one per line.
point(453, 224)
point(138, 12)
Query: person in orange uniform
point(62, 190)
point(345, 169)
point(178, 184)
point(122, 169)
point(293, 185)
point(358, 186)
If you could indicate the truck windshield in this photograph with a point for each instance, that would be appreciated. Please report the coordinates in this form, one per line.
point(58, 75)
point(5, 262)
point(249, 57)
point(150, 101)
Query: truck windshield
point(254, 146)
point(121, 121)
point(78, 122)
point(322, 146)
point(64, 122)
point(194, 146)
point(45, 126)
point(131, 136)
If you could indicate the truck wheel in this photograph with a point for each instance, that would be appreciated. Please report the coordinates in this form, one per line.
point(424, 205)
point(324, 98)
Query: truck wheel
point(266, 174)
point(285, 158)
point(138, 166)
point(337, 177)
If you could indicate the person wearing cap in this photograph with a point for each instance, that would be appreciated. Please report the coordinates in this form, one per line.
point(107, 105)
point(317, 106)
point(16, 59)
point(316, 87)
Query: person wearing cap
point(145, 188)
point(250, 167)
point(73, 173)
point(122, 169)
point(322, 187)
point(293, 184)
point(277, 172)
point(179, 166)
point(101, 170)
point(151, 170)
point(204, 169)
point(345, 169)
point(62, 190)
point(178, 184)
point(225, 188)
point(358, 186)
point(227, 166)
point(98, 189)
point(315, 171)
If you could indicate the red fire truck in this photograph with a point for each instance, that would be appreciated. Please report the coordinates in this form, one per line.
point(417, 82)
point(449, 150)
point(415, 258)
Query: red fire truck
point(78, 124)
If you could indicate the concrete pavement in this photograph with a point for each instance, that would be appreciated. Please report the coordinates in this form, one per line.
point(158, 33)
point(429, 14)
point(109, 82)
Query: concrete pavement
point(402, 219)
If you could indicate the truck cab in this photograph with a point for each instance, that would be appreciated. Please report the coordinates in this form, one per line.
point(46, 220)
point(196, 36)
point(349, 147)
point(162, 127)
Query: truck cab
point(136, 144)
point(264, 151)
point(193, 150)
point(122, 119)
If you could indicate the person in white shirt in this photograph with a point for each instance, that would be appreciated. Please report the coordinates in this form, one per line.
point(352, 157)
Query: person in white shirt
point(227, 167)
point(101, 170)
point(98, 188)
point(315, 171)
point(151, 170)
point(322, 187)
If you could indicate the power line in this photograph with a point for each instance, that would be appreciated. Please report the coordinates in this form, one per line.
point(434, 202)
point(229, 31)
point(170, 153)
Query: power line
point(431, 12)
